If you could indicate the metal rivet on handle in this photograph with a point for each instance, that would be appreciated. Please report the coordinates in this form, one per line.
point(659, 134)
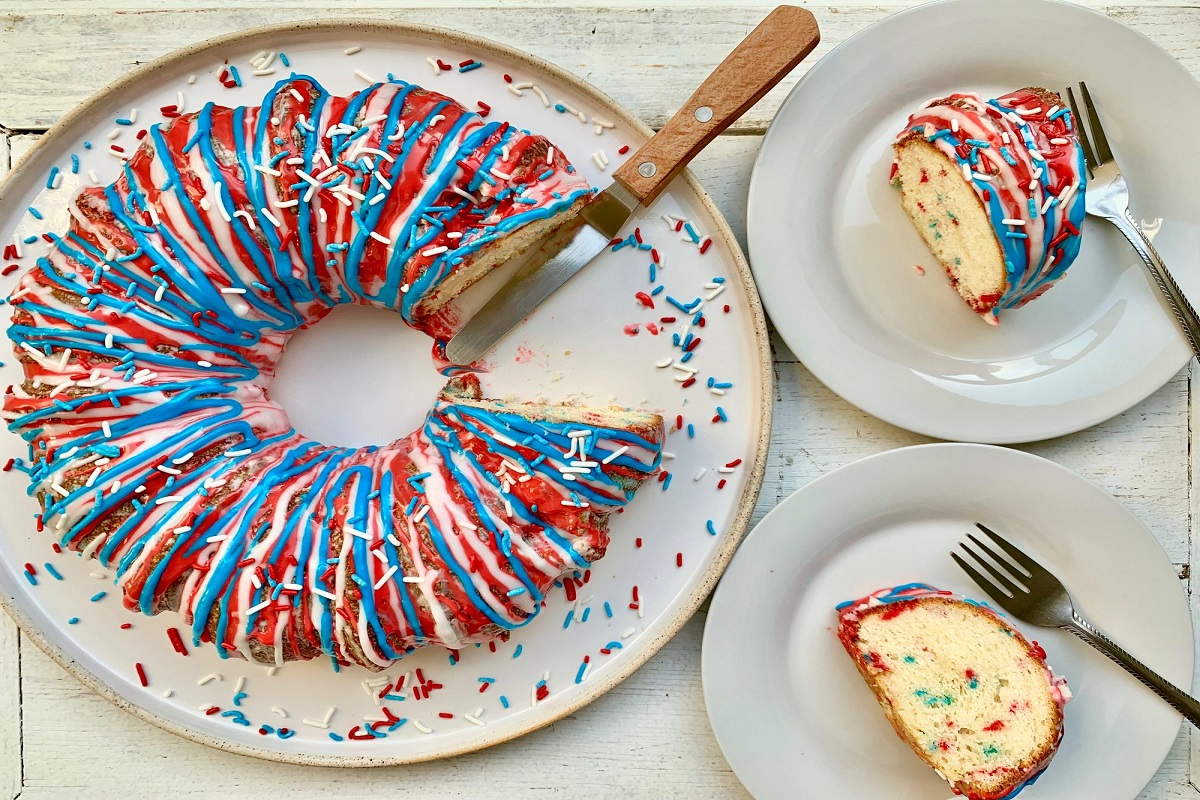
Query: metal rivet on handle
point(647, 169)
point(703, 114)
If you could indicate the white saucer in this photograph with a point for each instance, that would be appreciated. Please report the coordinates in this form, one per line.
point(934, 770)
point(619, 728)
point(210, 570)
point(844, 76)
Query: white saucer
point(834, 254)
point(790, 711)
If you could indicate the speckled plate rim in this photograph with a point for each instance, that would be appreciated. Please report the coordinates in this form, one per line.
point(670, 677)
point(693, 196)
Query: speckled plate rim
point(675, 619)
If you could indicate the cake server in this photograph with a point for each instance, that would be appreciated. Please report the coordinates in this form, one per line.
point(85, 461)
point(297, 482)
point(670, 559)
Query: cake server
point(1039, 598)
point(769, 52)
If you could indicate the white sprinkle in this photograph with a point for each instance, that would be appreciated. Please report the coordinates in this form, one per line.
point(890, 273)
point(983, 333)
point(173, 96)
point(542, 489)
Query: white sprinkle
point(665, 454)
point(685, 368)
point(954, 125)
point(171, 498)
point(352, 50)
point(379, 237)
point(270, 217)
point(359, 534)
point(1035, 155)
point(717, 391)
point(236, 453)
point(716, 291)
point(391, 537)
point(214, 539)
point(421, 727)
point(421, 513)
point(363, 76)
point(1053, 109)
point(600, 159)
point(467, 195)
point(434, 251)
point(241, 684)
point(255, 609)
point(322, 593)
point(411, 579)
point(104, 426)
point(267, 170)
point(501, 175)
point(434, 120)
point(700, 474)
point(112, 151)
point(279, 711)
point(1005, 137)
point(203, 363)
point(541, 96)
point(114, 133)
point(474, 720)
point(979, 176)
point(263, 72)
point(391, 571)
point(168, 693)
point(614, 455)
point(550, 155)
point(1059, 140)
point(629, 631)
point(209, 678)
point(438, 70)
point(92, 176)
point(1013, 222)
point(323, 723)
point(168, 470)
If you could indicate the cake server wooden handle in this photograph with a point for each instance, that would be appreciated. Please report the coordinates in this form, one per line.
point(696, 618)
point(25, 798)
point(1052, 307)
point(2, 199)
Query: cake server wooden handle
point(779, 43)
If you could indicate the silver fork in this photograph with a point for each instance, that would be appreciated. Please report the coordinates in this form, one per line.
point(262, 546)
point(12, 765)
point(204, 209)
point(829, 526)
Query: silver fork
point(1107, 197)
point(1039, 598)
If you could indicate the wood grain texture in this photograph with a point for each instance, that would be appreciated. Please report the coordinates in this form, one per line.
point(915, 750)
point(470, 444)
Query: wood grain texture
point(56, 56)
point(649, 737)
point(759, 61)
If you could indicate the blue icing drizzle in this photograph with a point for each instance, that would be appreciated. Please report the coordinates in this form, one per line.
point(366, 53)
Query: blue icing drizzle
point(203, 495)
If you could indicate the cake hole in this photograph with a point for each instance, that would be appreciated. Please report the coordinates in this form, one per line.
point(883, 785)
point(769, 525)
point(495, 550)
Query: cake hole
point(358, 377)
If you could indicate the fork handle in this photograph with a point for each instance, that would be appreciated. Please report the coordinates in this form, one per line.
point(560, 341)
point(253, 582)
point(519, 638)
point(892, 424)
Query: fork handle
point(1178, 699)
point(1185, 315)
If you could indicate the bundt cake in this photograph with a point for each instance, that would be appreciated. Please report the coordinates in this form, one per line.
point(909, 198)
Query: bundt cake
point(961, 686)
point(995, 187)
point(149, 336)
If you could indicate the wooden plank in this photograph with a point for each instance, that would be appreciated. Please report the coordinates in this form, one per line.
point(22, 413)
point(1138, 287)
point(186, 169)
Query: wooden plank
point(338, 6)
point(53, 59)
point(10, 663)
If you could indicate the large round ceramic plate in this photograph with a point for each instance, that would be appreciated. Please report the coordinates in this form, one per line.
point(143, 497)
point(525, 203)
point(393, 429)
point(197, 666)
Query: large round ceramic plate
point(790, 709)
point(592, 342)
point(835, 263)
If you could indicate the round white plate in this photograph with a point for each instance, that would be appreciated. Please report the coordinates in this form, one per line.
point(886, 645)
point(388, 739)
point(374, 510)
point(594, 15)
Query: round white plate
point(580, 346)
point(790, 710)
point(835, 263)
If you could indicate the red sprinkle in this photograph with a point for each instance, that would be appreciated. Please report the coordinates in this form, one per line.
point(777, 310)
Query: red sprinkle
point(213, 710)
point(635, 594)
point(442, 65)
point(654, 255)
point(484, 108)
point(483, 687)
point(726, 309)
point(55, 547)
point(176, 641)
point(10, 251)
point(141, 134)
point(688, 382)
point(11, 268)
point(468, 61)
point(721, 483)
point(645, 299)
point(662, 476)
point(141, 671)
point(734, 463)
point(679, 422)
point(692, 345)
point(126, 626)
point(638, 542)
point(666, 320)
point(679, 559)
point(702, 322)
point(704, 247)
point(637, 234)
point(30, 569)
point(445, 715)
point(507, 78)
point(8, 465)
point(624, 149)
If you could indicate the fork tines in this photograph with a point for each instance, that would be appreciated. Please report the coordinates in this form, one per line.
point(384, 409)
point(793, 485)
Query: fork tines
point(1101, 154)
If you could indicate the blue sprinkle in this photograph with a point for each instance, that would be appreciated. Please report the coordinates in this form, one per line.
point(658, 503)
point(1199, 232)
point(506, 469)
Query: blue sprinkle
point(653, 273)
point(667, 481)
point(332, 735)
point(73, 621)
point(123, 121)
point(1012, 162)
point(471, 66)
point(517, 652)
point(30, 239)
point(657, 290)
point(284, 59)
point(691, 431)
point(546, 174)
point(607, 610)
point(560, 108)
point(586, 613)
point(567, 621)
point(54, 174)
point(487, 680)
point(87, 145)
point(614, 645)
point(721, 414)
point(29, 577)
point(35, 213)
point(718, 279)
point(239, 697)
point(1033, 209)
point(233, 73)
point(711, 528)
point(1016, 235)
point(517, 591)
point(979, 143)
point(504, 701)
point(98, 596)
point(50, 568)
point(579, 674)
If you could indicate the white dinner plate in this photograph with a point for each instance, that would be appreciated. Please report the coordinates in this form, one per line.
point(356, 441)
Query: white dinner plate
point(360, 377)
point(834, 253)
point(790, 710)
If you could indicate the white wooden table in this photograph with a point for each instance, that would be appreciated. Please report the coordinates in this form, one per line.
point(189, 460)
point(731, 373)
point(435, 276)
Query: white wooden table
point(649, 737)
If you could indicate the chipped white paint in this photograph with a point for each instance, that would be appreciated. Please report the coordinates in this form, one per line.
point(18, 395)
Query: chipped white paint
point(650, 736)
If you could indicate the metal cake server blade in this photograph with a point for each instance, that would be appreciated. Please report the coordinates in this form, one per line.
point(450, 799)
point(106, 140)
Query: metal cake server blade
point(761, 60)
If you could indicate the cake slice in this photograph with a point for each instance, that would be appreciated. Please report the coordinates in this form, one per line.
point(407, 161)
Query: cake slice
point(968, 693)
point(995, 188)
